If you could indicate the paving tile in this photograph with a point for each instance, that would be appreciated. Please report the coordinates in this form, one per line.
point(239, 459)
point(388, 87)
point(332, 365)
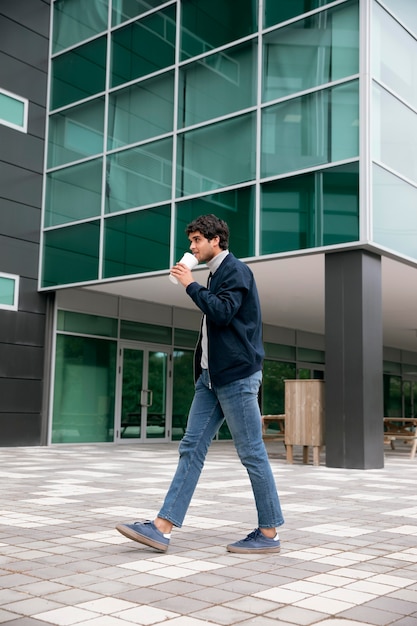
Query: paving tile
point(349, 554)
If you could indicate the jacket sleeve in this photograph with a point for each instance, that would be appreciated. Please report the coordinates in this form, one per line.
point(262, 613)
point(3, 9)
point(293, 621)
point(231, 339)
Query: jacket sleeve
point(224, 302)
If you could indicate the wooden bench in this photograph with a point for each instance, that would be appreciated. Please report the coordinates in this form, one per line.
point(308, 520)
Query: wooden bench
point(403, 428)
point(277, 435)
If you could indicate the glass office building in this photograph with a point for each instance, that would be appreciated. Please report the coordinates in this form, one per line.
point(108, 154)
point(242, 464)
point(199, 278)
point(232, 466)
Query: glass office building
point(293, 121)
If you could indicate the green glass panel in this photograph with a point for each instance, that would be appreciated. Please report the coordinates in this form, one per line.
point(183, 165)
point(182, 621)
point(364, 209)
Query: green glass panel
point(123, 10)
point(208, 24)
point(318, 128)
point(217, 85)
point(12, 110)
point(394, 134)
point(131, 418)
point(340, 201)
point(84, 390)
point(182, 391)
point(273, 386)
point(276, 12)
point(236, 207)
point(76, 133)
point(156, 409)
point(79, 73)
point(394, 213)
point(73, 193)
point(141, 111)
point(151, 333)
point(393, 48)
point(315, 209)
point(279, 351)
point(310, 356)
point(143, 47)
point(311, 52)
point(7, 291)
point(185, 338)
point(207, 162)
point(77, 20)
point(392, 396)
point(137, 242)
point(405, 10)
point(70, 254)
point(87, 324)
point(139, 176)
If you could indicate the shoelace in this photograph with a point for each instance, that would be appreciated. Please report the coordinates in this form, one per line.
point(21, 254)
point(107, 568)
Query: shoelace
point(253, 535)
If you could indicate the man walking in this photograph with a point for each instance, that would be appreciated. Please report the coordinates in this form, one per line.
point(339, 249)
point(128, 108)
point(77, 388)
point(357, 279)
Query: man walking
point(228, 373)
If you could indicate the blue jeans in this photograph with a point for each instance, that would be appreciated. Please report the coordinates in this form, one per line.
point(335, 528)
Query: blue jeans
point(237, 402)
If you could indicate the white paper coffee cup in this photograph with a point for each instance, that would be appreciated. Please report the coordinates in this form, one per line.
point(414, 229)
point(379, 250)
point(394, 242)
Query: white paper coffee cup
point(189, 260)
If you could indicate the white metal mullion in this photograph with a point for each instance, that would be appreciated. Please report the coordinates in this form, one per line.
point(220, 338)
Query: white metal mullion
point(258, 147)
point(175, 134)
point(104, 155)
point(365, 131)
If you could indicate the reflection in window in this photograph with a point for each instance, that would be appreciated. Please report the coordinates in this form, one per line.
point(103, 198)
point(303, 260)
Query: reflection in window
point(76, 133)
point(273, 386)
point(139, 176)
point(137, 242)
point(71, 254)
point(394, 51)
point(311, 52)
point(276, 12)
point(320, 208)
point(394, 133)
point(73, 193)
point(217, 85)
point(207, 162)
point(236, 207)
point(123, 10)
point(208, 24)
point(141, 111)
point(79, 73)
point(77, 20)
point(143, 47)
point(84, 390)
point(394, 213)
point(311, 130)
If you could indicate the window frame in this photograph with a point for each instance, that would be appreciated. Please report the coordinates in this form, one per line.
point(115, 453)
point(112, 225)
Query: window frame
point(24, 127)
point(15, 305)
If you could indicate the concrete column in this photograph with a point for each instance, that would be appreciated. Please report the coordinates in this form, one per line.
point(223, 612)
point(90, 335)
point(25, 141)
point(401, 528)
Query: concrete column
point(354, 383)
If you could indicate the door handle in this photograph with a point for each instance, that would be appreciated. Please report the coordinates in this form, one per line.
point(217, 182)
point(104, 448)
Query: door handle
point(146, 397)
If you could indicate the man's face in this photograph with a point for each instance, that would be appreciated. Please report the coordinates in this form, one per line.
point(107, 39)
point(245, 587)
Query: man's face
point(203, 249)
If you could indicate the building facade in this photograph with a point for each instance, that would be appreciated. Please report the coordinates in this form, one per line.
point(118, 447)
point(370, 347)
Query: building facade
point(293, 121)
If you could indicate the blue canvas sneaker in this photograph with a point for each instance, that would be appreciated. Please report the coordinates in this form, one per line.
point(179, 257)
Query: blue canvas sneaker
point(146, 533)
point(255, 543)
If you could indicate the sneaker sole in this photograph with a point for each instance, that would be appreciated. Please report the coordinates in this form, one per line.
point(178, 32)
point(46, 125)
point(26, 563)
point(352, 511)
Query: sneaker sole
point(131, 534)
point(253, 550)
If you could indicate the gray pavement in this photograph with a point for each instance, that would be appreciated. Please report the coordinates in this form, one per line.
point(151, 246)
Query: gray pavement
point(349, 544)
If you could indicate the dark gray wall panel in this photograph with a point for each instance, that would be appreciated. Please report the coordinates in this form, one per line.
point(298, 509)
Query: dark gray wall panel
point(34, 15)
point(19, 257)
point(24, 31)
point(17, 361)
point(19, 185)
point(19, 220)
point(33, 52)
point(27, 82)
point(25, 328)
point(29, 299)
point(19, 430)
point(20, 396)
point(25, 151)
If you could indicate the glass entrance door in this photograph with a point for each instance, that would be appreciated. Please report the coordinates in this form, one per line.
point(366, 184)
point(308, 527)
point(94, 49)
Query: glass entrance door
point(143, 396)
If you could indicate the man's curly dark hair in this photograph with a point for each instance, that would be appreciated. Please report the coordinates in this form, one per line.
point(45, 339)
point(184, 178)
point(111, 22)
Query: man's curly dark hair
point(210, 226)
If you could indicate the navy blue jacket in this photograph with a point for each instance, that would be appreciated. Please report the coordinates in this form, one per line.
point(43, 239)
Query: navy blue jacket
point(234, 322)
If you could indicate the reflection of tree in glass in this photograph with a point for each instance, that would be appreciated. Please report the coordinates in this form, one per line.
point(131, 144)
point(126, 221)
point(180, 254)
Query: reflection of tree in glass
point(273, 386)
